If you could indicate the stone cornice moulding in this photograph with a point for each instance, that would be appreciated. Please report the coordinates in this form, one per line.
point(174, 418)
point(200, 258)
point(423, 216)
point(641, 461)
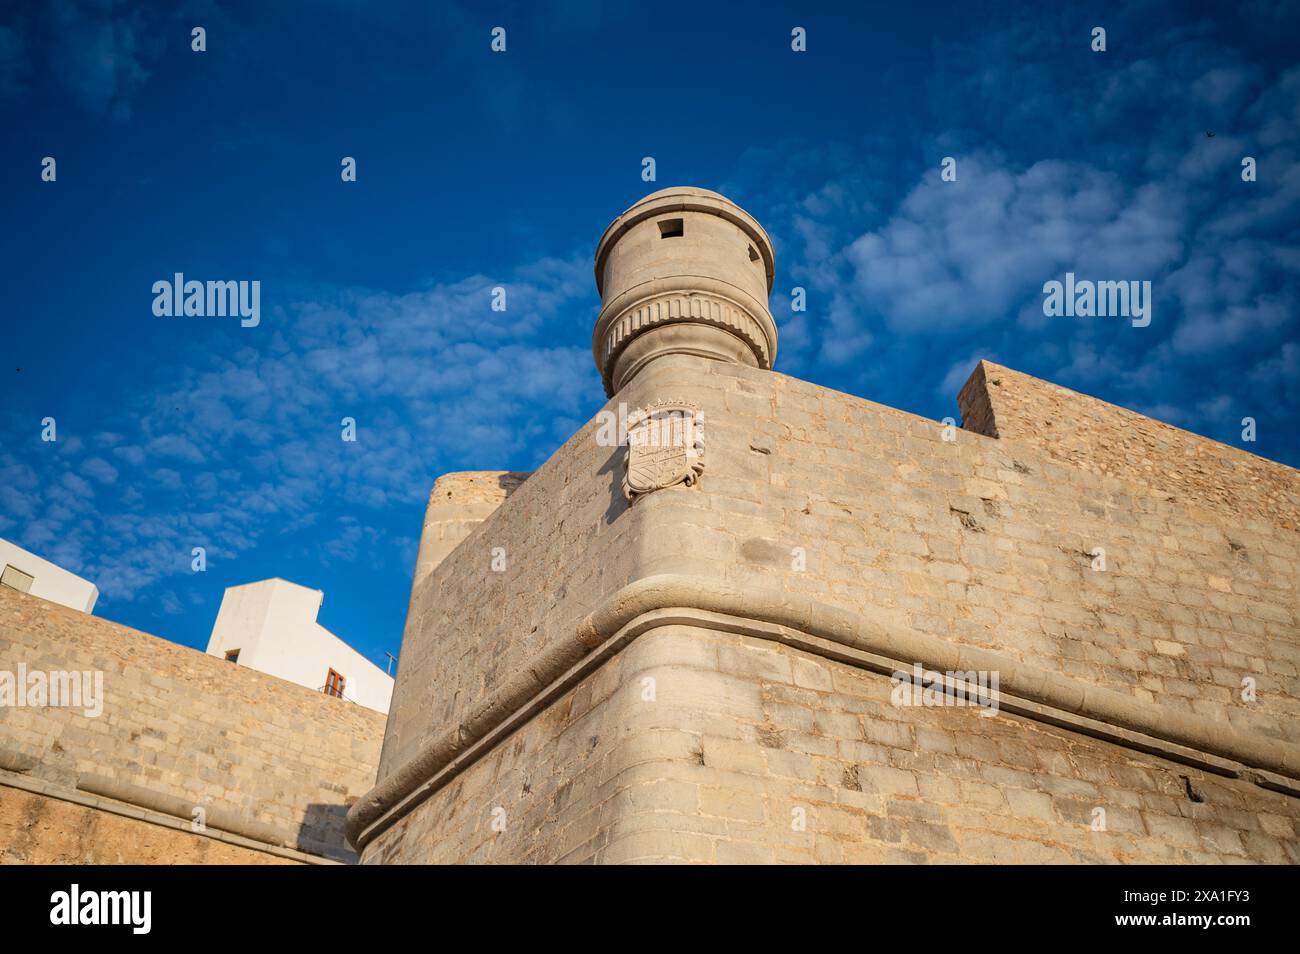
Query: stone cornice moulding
point(685, 284)
point(681, 299)
point(867, 639)
point(681, 307)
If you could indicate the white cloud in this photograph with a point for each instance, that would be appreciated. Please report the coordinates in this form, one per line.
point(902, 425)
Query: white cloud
point(249, 444)
point(964, 254)
point(99, 469)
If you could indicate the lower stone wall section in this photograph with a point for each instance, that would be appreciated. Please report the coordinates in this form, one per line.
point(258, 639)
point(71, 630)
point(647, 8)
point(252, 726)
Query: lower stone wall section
point(547, 794)
point(184, 726)
point(694, 746)
point(36, 829)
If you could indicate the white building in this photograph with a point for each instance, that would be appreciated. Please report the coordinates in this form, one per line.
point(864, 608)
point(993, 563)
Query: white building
point(28, 573)
point(271, 626)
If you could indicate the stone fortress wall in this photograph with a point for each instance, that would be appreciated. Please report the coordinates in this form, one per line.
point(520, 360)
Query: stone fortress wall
point(950, 539)
point(1113, 441)
point(704, 675)
point(273, 766)
point(458, 503)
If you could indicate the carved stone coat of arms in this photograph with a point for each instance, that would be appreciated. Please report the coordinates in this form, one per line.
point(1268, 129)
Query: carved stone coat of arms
point(665, 447)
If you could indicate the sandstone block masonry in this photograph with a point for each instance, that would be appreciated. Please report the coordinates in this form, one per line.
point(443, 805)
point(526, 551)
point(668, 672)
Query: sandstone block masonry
point(272, 765)
point(38, 829)
point(1112, 441)
point(458, 503)
point(756, 752)
point(704, 675)
point(813, 498)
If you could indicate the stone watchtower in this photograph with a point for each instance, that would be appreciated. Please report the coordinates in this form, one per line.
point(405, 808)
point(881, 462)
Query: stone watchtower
point(683, 271)
point(705, 664)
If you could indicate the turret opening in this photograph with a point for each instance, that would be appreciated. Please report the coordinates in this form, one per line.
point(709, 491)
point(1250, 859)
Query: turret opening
point(671, 228)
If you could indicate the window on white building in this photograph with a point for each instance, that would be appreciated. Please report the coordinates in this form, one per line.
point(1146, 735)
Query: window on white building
point(16, 579)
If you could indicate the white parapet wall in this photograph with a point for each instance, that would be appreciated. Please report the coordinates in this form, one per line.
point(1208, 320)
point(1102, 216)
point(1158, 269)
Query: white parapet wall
point(28, 573)
point(272, 626)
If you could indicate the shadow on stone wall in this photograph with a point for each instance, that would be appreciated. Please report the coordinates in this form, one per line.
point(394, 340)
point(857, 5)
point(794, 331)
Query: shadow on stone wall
point(321, 832)
point(613, 467)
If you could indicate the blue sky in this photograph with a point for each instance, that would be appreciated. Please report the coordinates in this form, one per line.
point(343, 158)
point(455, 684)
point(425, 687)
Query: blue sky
point(478, 169)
